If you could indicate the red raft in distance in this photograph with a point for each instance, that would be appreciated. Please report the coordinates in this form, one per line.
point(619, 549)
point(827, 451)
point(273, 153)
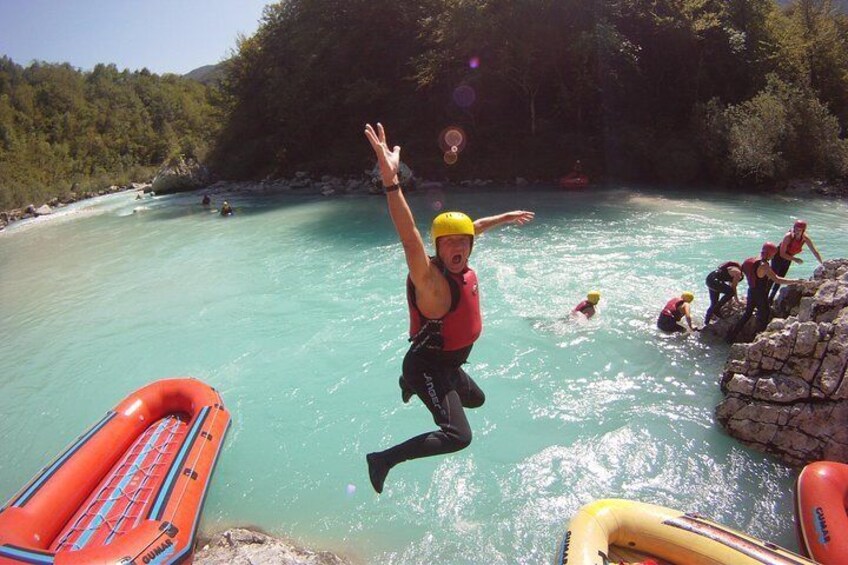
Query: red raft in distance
point(574, 181)
point(129, 490)
point(821, 514)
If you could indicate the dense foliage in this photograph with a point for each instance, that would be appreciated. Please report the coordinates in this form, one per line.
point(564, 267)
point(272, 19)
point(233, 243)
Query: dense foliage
point(660, 90)
point(680, 91)
point(60, 127)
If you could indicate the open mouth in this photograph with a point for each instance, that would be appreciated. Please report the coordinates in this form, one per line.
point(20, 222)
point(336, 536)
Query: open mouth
point(456, 259)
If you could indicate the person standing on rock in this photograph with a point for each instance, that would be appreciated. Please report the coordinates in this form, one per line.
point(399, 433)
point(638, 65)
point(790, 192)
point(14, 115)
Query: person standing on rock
point(791, 245)
point(720, 282)
point(758, 272)
point(445, 318)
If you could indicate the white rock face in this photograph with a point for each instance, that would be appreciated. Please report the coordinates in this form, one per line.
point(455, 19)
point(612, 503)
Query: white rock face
point(786, 392)
point(246, 547)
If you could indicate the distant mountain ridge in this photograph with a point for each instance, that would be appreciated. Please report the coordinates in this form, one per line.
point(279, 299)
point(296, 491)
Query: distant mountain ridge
point(207, 74)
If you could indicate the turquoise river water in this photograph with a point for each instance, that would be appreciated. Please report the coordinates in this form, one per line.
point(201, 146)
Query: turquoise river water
point(295, 310)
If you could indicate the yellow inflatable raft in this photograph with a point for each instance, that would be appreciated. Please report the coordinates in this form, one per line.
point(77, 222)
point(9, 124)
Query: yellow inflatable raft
point(614, 531)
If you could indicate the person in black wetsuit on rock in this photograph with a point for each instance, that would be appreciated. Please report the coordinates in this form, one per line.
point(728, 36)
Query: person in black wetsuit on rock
point(722, 281)
point(758, 272)
point(445, 318)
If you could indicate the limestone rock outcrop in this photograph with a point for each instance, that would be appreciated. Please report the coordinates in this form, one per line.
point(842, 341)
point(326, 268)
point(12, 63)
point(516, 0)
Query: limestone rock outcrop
point(179, 175)
point(240, 546)
point(786, 392)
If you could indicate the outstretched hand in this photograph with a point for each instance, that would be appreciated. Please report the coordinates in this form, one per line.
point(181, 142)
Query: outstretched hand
point(520, 217)
point(387, 159)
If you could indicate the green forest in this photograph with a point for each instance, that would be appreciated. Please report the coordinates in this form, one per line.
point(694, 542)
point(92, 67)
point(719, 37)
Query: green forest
point(689, 92)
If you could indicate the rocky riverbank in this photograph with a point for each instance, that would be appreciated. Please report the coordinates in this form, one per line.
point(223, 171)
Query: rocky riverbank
point(33, 211)
point(240, 546)
point(786, 392)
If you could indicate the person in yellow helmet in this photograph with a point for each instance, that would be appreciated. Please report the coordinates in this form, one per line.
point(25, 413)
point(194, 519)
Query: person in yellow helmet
point(444, 314)
point(587, 307)
point(676, 309)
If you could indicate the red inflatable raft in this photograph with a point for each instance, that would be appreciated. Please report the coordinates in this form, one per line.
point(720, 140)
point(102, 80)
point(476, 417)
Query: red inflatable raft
point(574, 181)
point(129, 490)
point(820, 512)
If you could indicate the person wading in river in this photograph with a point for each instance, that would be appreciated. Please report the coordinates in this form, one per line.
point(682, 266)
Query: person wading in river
point(445, 318)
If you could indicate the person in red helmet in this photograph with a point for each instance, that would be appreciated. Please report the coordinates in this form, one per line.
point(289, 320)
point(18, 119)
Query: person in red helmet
point(791, 245)
point(758, 272)
point(444, 315)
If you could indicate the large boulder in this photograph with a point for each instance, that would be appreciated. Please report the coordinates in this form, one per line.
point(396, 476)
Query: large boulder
point(786, 392)
point(245, 547)
point(180, 175)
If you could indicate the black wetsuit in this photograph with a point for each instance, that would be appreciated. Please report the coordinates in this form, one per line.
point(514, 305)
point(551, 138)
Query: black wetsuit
point(445, 389)
point(436, 377)
point(719, 283)
point(757, 298)
point(780, 266)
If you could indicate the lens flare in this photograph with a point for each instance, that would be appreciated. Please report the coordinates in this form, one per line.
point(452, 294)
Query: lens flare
point(436, 198)
point(474, 62)
point(464, 96)
point(453, 137)
point(451, 158)
point(452, 140)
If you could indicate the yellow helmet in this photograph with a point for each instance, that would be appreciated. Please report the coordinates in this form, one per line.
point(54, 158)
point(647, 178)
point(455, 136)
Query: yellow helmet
point(594, 296)
point(452, 223)
point(687, 296)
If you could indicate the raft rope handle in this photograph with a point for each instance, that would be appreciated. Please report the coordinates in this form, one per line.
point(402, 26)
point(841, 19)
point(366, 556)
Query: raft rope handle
point(160, 454)
point(146, 471)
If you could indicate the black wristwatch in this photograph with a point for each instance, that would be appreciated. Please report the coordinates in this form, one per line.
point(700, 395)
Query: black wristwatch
point(391, 188)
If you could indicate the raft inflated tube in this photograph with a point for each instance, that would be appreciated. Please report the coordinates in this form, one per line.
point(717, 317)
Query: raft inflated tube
point(821, 513)
point(663, 533)
point(128, 490)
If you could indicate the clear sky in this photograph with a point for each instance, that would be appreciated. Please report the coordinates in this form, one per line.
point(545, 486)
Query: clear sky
point(166, 36)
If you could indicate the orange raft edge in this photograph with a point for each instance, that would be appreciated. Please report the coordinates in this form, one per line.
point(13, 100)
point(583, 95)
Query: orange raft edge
point(128, 490)
point(821, 515)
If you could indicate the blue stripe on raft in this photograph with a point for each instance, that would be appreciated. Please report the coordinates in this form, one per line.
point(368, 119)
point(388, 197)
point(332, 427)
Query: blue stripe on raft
point(48, 472)
point(186, 552)
point(98, 519)
point(25, 555)
point(168, 485)
point(205, 491)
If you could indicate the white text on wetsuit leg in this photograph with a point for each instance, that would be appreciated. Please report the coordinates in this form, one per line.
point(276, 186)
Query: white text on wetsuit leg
point(431, 390)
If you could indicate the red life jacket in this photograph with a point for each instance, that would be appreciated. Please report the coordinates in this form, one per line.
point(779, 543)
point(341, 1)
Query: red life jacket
point(794, 246)
point(672, 308)
point(583, 306)
point(749, 267)
point(457, 329)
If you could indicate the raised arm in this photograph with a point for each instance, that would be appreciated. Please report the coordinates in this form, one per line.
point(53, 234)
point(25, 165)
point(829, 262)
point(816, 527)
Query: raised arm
point(812, 247)
point(413, 246)
point(519, 217)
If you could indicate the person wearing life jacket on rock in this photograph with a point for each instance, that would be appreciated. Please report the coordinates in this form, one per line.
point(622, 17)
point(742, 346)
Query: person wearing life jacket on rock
point(676, 309)
point(445, 318)
point(587, 307)
point(722, 281)
point(791, 245)
point(758, 272)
